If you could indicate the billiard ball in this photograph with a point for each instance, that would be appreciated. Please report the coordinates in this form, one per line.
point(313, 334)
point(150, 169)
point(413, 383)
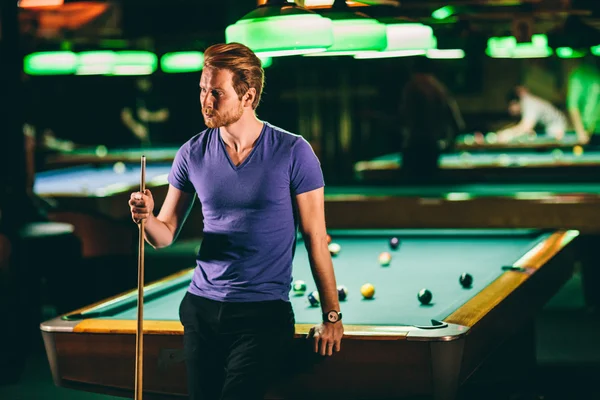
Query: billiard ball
point(394, 243)
point(504, 160)
point(466, 280)
point(313, 298)
point(577, 151)
point(479, 138)
point(425, 296)
point(119, 167)
point(385, 259)
point(299, 288)
point(367, 290)
point(342, 293)
point(334, 249)
point(557, 154)
point(328, 239)
point(491, 137)
point(101, 151)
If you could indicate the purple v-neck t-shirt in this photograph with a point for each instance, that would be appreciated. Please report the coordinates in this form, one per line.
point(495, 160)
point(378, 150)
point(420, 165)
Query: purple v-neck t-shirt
point(250, 216)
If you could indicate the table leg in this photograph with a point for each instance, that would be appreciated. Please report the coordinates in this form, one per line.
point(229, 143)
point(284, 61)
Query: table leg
point(446, 359)
point(590, 269)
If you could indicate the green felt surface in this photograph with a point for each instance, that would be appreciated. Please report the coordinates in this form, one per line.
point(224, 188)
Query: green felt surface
point(509, 159)
point(432, 259)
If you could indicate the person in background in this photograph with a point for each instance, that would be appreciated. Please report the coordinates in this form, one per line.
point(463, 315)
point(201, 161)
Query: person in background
point(431, 121)
point(583, 100)
point(533, 111)
point(147, 117)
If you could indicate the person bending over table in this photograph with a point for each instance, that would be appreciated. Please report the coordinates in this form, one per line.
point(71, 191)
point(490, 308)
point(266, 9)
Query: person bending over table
point(256, 183)
point(583, 100)
point(431, 120)
point(533, 111)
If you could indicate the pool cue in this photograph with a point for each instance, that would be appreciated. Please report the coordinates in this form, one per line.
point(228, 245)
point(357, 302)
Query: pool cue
point(139, 333)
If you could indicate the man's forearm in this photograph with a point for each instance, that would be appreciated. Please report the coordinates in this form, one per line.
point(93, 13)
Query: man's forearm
point(157, 232)
point(322, 270)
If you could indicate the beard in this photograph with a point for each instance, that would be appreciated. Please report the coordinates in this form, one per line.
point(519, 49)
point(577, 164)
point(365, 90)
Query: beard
point(215, 119)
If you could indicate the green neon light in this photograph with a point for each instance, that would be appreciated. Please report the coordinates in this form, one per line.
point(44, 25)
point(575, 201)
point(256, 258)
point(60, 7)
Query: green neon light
point(445, 54)
point(275, 30)
point(443, 13)
point(507, 47)
point(184, 61)
point(135, 63)
point(567, 52)
point(50, 63)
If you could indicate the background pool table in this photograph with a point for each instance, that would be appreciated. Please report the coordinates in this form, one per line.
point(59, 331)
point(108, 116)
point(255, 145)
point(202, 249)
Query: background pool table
point(489, 141)
point(393, 345)
point(492, 166)
point(102, 155)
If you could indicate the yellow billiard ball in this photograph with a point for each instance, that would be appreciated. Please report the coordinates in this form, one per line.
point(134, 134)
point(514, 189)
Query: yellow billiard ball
point(367, 290)
point(577, 150)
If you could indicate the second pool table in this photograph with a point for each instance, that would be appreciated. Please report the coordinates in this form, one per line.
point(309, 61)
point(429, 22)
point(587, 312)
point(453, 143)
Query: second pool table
point(102, 155)
point(493, 166)
point(393, 345)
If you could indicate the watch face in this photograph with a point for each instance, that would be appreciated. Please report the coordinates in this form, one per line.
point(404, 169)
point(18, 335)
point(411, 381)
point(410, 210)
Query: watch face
point(332, 316)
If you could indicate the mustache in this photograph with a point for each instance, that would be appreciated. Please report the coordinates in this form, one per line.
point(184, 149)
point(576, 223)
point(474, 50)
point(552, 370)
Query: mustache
point(209, 111)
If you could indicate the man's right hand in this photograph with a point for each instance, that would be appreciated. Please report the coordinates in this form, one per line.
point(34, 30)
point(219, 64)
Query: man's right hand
point(141, 205)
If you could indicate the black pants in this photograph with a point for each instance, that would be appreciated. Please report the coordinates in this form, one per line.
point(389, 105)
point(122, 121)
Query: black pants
point(233, 350)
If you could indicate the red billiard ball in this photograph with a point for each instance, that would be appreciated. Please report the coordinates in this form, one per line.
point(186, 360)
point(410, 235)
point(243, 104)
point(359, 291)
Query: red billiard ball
point(328, 239)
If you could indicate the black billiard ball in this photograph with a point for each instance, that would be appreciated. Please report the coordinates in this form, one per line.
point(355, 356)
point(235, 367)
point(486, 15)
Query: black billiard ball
point(342, 293)
point(394, 243)
point(425, 296)
point(466, 280)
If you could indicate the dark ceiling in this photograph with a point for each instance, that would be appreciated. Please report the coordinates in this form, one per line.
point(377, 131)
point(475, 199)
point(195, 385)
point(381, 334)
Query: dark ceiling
point(183, 21)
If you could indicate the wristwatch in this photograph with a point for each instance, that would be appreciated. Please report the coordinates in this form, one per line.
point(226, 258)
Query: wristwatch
point(332, 316)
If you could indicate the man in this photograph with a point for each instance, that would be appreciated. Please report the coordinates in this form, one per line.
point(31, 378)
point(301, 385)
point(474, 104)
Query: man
point(147, 118)
point(583, 100)
point(533, 111)
point(256, 183)
point(432, 120)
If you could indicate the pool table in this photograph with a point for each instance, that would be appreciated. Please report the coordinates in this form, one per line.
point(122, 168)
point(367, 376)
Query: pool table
point(474, 141)
point(393, 345)
point(90, 186)
point(549, 165)
point(99, 189)
point(94, 199)
point(102, 155)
